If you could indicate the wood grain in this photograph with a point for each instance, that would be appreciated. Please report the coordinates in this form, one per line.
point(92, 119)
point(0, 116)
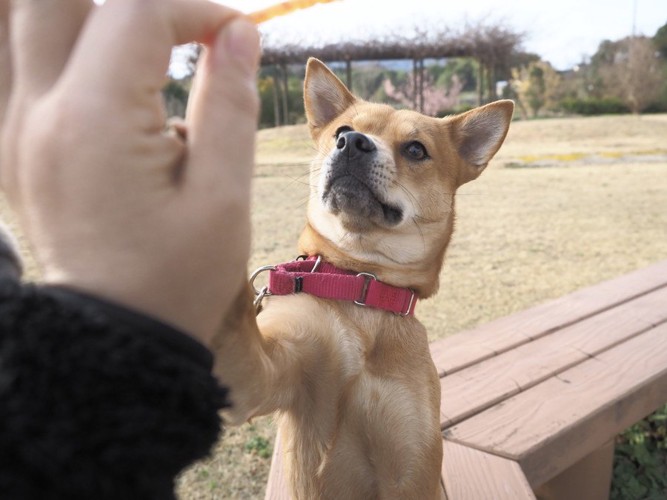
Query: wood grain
point(558, 422)
point(470, 474)
point(276, 487)
point(479, 386)
point(463, 349)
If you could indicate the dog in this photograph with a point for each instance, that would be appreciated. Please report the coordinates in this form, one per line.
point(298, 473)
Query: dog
point(356, 391)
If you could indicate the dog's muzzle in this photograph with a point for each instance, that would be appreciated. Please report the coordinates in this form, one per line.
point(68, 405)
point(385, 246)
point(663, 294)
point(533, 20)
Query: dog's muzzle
point(358, 180)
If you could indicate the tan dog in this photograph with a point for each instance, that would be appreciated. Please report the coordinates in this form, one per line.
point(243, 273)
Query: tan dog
point(357, 393)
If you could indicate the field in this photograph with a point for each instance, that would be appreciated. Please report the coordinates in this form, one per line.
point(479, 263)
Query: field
point(566, 203)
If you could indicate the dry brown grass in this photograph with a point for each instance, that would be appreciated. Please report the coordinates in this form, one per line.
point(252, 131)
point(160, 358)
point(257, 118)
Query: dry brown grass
point(566, 203)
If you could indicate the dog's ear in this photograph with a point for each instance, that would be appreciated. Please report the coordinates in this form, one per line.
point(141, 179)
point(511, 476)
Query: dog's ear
point(325, 96)
point(479, 133)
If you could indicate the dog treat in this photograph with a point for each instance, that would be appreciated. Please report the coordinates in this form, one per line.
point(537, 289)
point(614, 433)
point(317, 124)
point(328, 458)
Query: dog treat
point(283, 8)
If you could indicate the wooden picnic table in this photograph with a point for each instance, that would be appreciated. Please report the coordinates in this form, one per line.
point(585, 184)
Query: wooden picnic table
point(531, 402)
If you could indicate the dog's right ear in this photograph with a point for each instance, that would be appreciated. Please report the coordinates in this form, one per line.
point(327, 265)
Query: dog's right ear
point(325, 96)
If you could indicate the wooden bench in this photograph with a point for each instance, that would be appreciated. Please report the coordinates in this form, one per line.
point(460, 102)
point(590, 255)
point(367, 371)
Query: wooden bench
point(531, 402)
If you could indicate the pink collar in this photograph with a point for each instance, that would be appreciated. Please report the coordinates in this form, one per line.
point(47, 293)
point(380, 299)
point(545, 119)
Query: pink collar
point(324, 280)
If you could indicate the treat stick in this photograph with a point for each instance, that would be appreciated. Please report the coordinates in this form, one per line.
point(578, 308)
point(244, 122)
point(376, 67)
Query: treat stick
point(283, 8)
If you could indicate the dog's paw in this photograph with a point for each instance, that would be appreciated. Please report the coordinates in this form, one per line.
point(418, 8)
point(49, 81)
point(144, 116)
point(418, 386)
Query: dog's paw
point(11, 265)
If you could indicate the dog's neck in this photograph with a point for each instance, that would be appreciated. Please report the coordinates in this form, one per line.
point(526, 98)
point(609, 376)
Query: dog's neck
point(423, 277)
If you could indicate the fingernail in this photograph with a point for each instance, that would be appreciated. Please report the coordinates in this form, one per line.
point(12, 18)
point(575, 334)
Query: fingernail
point(241, 42)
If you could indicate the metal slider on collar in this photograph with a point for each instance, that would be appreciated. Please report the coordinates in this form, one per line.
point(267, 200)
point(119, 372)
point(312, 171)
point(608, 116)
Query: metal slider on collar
point(412, 300)
point(368, 277)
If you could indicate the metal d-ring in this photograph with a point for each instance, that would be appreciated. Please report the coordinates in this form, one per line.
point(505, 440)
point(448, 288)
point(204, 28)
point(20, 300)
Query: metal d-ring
point(317, 262)
point(264, 291)
point(260, 296)
point(257, 272)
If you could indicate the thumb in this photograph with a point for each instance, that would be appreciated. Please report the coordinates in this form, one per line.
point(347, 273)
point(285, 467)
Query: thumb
point(223, 109)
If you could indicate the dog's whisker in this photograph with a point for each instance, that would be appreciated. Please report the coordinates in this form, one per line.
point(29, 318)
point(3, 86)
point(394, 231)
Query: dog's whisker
point(424, 220)
point(283, 164)
point(407, 191)
point(301, 205)
point(410, 195)
point(413, 199)
point(301, 180)
point(297, 182)
point(421, 233)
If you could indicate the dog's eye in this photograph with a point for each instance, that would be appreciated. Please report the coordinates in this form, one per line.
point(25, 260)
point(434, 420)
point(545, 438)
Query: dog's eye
point(416, 151)
point(342, 130)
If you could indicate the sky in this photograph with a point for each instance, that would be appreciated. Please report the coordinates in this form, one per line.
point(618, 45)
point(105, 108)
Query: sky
point(563, 32)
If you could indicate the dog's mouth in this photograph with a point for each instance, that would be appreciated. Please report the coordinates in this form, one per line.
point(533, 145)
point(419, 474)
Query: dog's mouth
point(349, 196)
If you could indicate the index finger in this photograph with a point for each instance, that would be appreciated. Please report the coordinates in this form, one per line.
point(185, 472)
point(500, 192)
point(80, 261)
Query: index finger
point(43, 34)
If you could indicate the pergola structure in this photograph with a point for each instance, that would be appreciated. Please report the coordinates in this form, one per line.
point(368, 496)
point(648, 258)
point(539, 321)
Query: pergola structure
point(493, 46)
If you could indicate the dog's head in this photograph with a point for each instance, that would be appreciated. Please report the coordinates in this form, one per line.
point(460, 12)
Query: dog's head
point(383, 181)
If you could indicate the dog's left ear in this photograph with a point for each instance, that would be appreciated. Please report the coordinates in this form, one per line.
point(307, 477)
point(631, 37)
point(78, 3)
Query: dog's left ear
point(479, 133)
point(325, 96)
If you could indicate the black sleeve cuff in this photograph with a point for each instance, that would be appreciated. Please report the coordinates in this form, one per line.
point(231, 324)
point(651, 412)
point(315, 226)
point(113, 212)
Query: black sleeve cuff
point(97, 401)
point(173, 339)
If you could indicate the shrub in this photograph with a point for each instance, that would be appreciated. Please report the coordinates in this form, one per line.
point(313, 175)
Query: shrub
point(594, 106)
point(657, 107)
point(640, 460)
point(260, 446)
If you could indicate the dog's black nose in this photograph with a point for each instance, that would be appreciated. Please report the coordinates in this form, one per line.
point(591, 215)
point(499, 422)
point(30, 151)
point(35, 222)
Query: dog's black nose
point(354, 143)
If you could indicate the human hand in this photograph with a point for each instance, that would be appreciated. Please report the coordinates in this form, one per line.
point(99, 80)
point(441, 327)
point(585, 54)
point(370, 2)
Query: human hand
point(111, 203)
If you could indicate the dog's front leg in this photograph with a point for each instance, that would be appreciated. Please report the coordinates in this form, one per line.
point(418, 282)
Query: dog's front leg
point(262, 371)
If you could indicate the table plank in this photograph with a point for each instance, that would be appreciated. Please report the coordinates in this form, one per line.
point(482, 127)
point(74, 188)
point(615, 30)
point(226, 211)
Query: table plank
point(277, 487)
point(463, 349)
point(480, 386)
point(470, 474)
point(558, 422)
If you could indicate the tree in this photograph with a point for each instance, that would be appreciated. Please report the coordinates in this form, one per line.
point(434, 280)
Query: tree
point(536, 86)
point(660, 40)
point(465, 69)
point(632, 71)
point(175, 94)
point(494, 46)
point(436, 100)
point(367, 80)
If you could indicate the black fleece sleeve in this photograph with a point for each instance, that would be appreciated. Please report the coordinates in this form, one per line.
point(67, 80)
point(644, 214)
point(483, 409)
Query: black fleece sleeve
point(96, 401)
